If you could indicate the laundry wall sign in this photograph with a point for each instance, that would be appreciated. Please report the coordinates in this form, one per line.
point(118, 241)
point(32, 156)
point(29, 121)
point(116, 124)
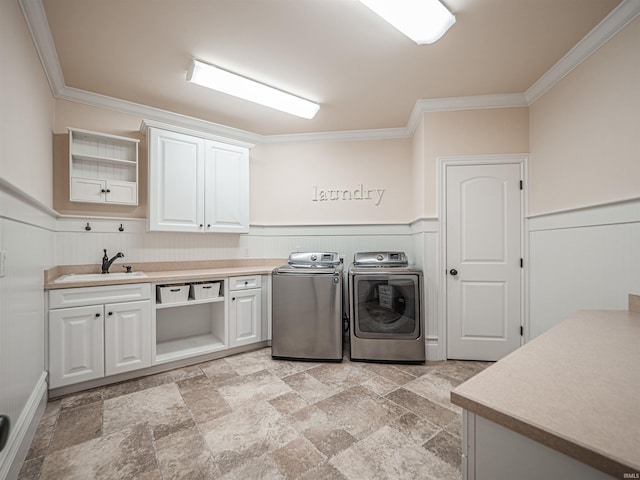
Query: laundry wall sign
point(359, 193)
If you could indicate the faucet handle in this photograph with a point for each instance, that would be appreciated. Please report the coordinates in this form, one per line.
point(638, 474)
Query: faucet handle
point(127, 268)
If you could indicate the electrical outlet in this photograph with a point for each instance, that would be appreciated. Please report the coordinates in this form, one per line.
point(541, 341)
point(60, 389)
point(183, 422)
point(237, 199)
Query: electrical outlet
point(3, 263)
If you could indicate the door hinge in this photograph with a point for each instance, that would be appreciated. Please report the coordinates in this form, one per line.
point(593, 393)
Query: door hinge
point(520, 184)
point(521, 331)
point(522, 263)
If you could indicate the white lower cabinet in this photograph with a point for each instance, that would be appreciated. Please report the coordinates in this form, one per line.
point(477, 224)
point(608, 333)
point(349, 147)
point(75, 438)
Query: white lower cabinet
point(94, 339)
point(76, 345)
point(245, 317)
point(127, 336)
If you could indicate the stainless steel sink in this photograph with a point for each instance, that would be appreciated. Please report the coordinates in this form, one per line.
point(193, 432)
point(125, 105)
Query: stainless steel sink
point(87, 277)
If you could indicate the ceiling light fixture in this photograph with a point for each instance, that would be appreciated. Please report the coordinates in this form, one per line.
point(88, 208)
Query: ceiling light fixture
point(423, 21)
point(232, 84)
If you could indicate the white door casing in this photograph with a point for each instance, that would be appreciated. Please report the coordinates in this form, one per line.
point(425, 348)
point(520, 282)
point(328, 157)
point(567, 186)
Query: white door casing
point(483, 278)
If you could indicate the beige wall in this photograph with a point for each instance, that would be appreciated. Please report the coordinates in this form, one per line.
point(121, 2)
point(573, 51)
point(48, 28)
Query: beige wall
point(468, 132)
point(26, 109)
point(585, 132)
point(283, 178)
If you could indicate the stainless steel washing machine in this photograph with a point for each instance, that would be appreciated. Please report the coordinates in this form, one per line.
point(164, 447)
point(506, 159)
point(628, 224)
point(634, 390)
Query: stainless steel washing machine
point(386, 312)
point(307, 307)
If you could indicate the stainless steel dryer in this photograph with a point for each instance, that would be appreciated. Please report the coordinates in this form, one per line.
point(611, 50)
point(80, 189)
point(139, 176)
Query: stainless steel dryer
point(307, 307)
point(386, 314)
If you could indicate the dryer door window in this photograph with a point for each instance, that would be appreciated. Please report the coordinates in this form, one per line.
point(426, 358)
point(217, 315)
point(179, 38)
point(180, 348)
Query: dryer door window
point(386, 306)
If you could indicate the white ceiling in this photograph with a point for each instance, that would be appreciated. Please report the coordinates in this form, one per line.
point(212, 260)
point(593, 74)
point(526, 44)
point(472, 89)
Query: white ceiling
point(364, 73)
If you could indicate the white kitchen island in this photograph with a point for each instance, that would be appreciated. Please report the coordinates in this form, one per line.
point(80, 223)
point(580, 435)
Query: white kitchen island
point(565, 405)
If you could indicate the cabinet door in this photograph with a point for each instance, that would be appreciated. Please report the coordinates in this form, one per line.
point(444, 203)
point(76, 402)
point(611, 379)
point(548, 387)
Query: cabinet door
point(227, 188)
point(87, 190)
point(176, 182)
point(120, 192)
point(76, 343)
point(245, 317)
point(127, 332)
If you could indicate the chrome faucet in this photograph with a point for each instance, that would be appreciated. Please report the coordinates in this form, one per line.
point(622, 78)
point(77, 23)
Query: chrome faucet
point(106, 263)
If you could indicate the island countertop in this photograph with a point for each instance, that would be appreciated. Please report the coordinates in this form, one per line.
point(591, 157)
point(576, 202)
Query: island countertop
point(575, 388)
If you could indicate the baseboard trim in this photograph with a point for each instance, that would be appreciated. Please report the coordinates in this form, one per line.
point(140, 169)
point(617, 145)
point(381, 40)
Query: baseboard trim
point(24, 430)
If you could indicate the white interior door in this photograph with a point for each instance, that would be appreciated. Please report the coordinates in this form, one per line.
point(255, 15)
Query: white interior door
point(483, 260)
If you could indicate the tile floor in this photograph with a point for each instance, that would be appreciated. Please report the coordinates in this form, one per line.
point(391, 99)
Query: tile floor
point(251, 417)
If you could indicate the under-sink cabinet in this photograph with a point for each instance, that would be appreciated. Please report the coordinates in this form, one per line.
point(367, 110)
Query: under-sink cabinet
point(197, 184)
point(98, 331)
point(245, 310)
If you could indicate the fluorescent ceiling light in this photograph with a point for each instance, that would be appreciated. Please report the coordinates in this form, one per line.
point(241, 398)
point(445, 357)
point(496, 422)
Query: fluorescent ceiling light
point(423, 21)
point(232, 84)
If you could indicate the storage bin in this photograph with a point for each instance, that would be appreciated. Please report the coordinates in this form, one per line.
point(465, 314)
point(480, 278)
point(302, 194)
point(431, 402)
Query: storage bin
point(204, 290)
point(172, 293)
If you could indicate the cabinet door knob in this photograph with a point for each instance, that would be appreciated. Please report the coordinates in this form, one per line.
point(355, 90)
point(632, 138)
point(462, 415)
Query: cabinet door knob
point(233, 298)
point(201, 225)
point(108, 191)
point(110, 313)
point(208, 225)
point(97, 315)
point(103, 191)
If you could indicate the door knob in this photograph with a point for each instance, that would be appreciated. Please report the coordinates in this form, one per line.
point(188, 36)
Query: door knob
point(453, 272)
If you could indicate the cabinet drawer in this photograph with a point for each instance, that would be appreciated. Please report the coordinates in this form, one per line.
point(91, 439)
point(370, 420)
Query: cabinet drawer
point(77, 297)
point(243, 283)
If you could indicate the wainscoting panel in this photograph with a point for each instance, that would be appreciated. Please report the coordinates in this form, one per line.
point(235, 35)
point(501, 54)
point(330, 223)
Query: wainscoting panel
point(27, 239)
point(584, 259)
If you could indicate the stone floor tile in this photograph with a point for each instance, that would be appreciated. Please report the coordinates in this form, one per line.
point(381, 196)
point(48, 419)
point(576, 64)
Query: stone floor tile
point(387, 454)
point(249, 362)
point(313, 417)
point(435, 388)
point(31, 469)
point(262, 467)
point(184, 455)
point(415, 428)
point(77, 425)
point(202, 399)
point(379, 385)
point(246, 433)
point(218, 371)
point(360, 411)
point(296, 457)
point(161, 407)
point(125, 454)
point(80, 399)
point(308, 387)
point(288, 403)
point(329, 441)
point(254, 387)
point(447, 447)
point(423, 407)
point(340, 376)
point(42, 437)
point(324, 471)
point(390, 372)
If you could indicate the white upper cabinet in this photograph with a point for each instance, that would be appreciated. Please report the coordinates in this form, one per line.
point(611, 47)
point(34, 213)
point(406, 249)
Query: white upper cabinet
point(102, 168)
point(197, 184)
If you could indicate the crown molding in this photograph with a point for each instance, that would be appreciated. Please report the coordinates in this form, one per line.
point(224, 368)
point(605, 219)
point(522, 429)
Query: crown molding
point(619, 18)
point(36, 19)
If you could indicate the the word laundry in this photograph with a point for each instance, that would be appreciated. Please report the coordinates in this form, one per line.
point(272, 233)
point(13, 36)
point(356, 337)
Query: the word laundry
point(358, 193)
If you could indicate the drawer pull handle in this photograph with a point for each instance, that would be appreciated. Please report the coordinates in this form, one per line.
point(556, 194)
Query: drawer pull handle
point(208, 286)
point(174, 290)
